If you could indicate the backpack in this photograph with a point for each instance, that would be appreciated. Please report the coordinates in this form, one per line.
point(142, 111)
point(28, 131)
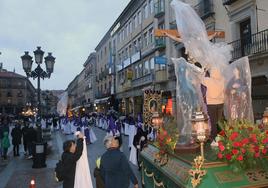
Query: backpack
point(59, 171)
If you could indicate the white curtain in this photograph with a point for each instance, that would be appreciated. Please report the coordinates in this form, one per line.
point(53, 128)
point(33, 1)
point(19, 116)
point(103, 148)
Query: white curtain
point(82, 175)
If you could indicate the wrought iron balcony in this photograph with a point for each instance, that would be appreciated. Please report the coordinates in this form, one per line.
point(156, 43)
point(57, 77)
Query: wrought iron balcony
point(228, 2)
point(205, 8)
point(251, 45)
point(142, 80)
point(159, 8)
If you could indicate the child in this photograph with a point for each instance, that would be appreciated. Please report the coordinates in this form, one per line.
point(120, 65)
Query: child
point(5, 144)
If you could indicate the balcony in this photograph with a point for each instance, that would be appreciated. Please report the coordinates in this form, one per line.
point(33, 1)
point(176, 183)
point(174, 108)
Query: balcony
point(255, 44)
point(205, 9)
point(160, 42)
point(228, 2)
point(103, 94)
point(159, 8)
point(127, 85)
point(142, 80)
point(161, 75)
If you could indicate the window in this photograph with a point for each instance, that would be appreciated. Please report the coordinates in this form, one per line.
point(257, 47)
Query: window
point(105, 51)
point(152, 63)
point(129, 28)
point(145, 10)
point(151, 36)
point(134, 22)
point(126, 31)
point(101, 54)
point(135, 49)
point(139, 17)
point(129, 50)
point(146, 67)
point(139, 43)
point(145, 40)
point(140, 70)
point(136, 71)
point(151, 6)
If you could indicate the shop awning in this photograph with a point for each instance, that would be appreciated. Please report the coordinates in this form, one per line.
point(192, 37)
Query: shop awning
point(102, 100)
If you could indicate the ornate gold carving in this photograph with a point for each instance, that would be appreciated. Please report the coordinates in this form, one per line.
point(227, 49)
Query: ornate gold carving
point(197, 173)
point(152, 103)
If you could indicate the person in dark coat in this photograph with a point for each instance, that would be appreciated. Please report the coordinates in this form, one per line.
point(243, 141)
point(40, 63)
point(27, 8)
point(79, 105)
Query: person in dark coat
point(114, 167)
point(24, 137)
point(72, 153)
point(31, 138)
point(139, 142)
point(16, 139)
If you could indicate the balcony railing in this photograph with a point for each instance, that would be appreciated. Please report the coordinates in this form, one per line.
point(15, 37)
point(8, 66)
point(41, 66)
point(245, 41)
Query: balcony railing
point(254, 44)
point(160, 75)
point(159, 8)
point(205, 8)
point(142, 80)
point(160, 42)
point(228, 2)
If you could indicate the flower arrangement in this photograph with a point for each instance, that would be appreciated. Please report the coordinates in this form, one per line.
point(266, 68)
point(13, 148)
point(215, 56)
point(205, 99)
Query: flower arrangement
point(242, 144)
point(166, 140)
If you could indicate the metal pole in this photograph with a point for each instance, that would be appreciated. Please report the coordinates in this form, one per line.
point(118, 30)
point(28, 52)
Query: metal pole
point(39, 131)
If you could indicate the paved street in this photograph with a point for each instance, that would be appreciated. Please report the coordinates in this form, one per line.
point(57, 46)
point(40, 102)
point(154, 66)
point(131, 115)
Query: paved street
point(17, 172)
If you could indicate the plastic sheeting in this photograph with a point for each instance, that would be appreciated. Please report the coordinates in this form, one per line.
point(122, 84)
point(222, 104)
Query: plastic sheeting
point(62, 104)
point(194, 37)
point(238, 103)
point(188, 95)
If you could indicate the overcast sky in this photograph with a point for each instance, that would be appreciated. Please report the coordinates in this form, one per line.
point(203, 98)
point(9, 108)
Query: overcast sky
point(70, 29)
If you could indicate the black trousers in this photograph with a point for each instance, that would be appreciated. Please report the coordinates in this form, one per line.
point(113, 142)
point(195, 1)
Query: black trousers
point(16, 149)
point(215, 113)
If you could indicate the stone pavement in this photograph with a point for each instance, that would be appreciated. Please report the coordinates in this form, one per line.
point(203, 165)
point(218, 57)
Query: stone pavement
point(17, 172)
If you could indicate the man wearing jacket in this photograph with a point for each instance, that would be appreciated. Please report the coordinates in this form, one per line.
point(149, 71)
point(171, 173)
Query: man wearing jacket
point(114, 167)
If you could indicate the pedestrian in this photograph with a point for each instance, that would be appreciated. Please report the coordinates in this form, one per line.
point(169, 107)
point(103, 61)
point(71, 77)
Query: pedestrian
point(71, 154)
point(114, 167)
point(16, 134)
point(24, 137)
point(31, 138)
point(5, 144)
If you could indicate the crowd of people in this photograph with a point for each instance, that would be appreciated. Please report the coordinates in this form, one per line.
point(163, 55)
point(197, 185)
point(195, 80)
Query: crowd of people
point(113, 168)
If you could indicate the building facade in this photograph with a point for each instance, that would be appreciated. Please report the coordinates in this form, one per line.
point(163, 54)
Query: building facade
point(90, 82)
point(81, 90)
point(16, 92)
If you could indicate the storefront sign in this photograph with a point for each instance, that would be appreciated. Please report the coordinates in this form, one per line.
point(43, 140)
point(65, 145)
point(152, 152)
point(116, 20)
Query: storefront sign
point(160, 60)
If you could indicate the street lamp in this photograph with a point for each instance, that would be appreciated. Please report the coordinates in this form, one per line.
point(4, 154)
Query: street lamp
point(38, 73)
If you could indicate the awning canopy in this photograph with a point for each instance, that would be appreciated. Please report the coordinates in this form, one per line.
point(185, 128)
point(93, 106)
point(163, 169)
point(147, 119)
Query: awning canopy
point(102, 100)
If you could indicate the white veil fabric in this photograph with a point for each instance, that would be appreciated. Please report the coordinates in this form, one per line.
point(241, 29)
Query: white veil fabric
point(82, 173)
point(62, 104)
point(195, 39)
point(238, 102)
point(188, 95)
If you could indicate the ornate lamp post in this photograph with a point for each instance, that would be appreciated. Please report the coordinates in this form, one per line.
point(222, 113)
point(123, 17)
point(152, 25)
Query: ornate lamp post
point(200, 128)
point(38, 73)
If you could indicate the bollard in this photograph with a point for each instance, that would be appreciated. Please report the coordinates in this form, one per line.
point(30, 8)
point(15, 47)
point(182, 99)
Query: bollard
point(32, 183)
